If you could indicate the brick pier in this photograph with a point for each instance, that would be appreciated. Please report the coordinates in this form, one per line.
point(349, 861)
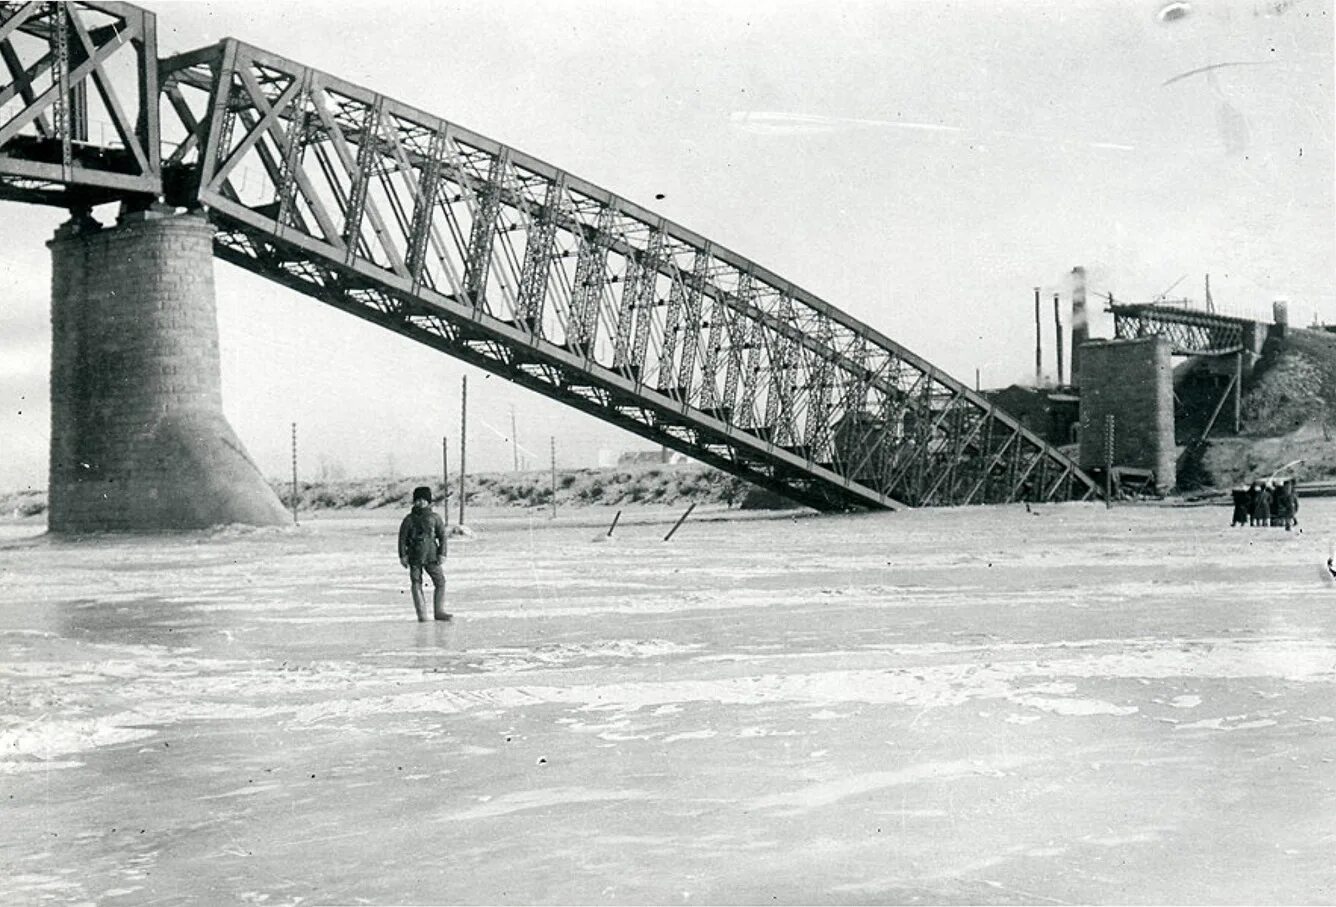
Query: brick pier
point(1133, 381)
point(139, 442)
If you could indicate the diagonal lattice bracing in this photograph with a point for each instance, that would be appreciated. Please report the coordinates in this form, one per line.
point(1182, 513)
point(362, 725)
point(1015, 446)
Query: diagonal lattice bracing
point(1191, 333)
point(493, 256)
point(71, 134)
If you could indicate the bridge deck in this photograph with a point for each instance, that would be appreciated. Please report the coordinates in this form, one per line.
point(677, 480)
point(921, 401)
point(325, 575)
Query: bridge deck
point(1192, 332)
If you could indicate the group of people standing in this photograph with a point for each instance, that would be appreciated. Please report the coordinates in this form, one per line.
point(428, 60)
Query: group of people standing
point(1266, 503)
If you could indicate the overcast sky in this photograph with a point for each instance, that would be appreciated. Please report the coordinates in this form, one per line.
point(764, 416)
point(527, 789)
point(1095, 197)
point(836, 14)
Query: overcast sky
point(922, 166)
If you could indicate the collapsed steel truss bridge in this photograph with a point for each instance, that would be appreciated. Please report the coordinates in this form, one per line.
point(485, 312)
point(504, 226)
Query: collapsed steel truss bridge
point(499, 259)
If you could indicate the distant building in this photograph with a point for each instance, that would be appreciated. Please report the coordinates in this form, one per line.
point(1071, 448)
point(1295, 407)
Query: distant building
point(1053, 414)
point(649, 457)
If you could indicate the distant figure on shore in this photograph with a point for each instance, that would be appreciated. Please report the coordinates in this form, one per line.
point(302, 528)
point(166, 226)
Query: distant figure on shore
point(1279, 506)
point(421, 550)
point(1262, 506)
point(1290, 496)
point(1241, 514)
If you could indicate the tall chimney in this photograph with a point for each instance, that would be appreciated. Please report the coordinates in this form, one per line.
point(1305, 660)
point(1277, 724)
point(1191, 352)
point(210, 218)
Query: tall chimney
point(1080, 328)
point(1038, 344)
point(1057, 327)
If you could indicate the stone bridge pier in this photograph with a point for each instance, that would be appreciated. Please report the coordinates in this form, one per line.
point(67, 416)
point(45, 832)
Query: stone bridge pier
point(139, 442)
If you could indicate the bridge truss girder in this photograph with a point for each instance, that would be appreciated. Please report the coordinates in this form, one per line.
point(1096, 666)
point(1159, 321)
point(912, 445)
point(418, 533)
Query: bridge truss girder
point(69, 135)
point(500, 259)
point(1189, 333)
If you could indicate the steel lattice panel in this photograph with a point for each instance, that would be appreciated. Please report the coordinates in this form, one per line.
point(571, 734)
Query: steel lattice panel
point(71, 133)
point(1189, 333)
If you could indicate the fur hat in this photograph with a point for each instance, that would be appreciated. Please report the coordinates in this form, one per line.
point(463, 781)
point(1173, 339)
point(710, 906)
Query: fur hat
point(422, 493)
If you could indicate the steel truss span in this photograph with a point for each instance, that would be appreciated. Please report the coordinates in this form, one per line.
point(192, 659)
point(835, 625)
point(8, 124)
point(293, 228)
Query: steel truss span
point(1190, 333)
point(70, 134)
point(497, 258)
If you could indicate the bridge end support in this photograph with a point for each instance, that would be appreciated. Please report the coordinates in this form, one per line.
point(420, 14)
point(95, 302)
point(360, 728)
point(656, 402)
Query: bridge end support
point(139, 442)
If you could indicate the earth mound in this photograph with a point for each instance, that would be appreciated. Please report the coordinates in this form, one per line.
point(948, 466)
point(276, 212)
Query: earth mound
point(1288, 415)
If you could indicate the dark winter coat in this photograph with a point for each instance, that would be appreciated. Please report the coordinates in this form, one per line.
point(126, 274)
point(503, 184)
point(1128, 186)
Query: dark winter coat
point(422, 538)
point(1280, 503)
point(1262, 506)
point(1241, 509)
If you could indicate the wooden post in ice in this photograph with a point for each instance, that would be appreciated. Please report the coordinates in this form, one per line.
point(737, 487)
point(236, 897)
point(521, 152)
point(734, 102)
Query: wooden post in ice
point(553, 444)
point(445, 477)
point(680, 520)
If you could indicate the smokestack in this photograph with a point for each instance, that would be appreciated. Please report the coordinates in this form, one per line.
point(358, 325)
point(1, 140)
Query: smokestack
point(1038, 345)
point(1057, 327)
point(1080, 328)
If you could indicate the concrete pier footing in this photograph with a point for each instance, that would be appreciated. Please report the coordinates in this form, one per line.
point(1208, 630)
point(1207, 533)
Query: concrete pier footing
point(139, 442)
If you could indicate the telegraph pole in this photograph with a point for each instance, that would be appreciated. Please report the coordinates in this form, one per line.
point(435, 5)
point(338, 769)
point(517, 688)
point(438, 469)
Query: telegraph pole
point(514, 442)
point(1108, 460)
point(294, 473)
point(463, 440)
point(1238, 392)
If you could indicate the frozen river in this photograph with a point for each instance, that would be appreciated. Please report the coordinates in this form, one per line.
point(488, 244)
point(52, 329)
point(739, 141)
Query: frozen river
point(1134, 705)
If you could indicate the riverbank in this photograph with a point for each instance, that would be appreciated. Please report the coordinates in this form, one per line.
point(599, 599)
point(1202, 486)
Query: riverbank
point(645, 490)
point(662, 485)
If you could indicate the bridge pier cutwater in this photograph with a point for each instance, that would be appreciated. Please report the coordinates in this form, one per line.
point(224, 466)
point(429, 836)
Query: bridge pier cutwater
point(139, 442)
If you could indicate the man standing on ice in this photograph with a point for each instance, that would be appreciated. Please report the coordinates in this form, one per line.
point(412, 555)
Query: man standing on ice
point(421, 549)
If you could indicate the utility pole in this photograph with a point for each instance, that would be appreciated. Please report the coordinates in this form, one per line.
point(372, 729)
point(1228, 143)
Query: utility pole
point(553, 443)
point(463, 440)
point(514, 442)
point(1108, 460)
point(1238, 392)
point(294, 473)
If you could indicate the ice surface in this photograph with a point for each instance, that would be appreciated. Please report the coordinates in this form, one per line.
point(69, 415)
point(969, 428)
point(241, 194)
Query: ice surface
point(978, 705)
